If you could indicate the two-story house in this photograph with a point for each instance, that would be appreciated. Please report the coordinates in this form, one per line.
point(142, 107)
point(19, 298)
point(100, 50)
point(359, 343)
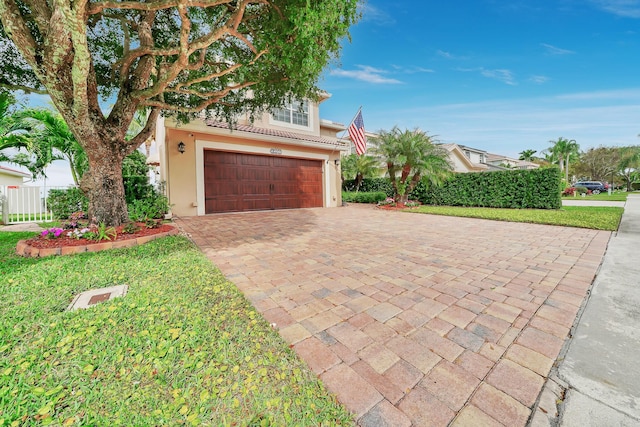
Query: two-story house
point(287, 158)
point(466, 159)
point(509, 163)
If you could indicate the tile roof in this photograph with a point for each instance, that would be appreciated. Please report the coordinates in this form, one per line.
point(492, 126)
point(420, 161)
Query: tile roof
point(276, 133)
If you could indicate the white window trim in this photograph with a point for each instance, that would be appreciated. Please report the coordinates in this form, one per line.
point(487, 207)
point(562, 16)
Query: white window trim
point(201, 145)
point(288, 125)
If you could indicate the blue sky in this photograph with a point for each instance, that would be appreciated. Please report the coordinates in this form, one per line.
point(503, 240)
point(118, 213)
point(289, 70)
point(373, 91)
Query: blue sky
point(498, 75)
point(503, 76)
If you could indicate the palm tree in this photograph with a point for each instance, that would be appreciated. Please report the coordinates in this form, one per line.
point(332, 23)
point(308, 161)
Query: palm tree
point(527, 155)
point(359, 167)
point(49, 139)
point(564, 149)
point(410, 156)
point(629, 164)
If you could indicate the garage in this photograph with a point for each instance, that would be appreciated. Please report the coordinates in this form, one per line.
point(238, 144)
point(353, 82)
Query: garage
point(237, 182)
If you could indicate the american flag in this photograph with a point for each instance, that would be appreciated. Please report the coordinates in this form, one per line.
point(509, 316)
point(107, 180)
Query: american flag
point(356, 133)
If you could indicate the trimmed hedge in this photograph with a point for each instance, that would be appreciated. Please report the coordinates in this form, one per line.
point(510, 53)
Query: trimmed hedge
point(370, 185)
point(517, 189)
point(363, 197)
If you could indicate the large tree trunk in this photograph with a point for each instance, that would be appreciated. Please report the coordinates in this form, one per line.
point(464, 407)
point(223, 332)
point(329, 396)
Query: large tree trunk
point(104, 187)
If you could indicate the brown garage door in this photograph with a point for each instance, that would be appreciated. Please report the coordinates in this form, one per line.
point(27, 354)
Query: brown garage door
point(235, 182)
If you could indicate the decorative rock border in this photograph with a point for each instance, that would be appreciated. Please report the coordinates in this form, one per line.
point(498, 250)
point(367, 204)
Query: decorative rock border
point(26, 250)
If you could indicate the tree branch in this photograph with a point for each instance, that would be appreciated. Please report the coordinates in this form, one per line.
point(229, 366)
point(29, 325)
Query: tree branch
point(15, 26)
point(25, 89)
point(214, 97)
point(98, 7)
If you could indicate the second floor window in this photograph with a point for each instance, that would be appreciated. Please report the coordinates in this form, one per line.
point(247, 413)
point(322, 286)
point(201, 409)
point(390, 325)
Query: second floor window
point(295, 113)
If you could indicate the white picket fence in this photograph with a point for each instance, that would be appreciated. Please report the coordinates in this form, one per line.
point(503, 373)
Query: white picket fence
point(22, 203)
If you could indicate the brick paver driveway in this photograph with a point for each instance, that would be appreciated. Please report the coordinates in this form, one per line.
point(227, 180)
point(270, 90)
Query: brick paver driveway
point(412, 319)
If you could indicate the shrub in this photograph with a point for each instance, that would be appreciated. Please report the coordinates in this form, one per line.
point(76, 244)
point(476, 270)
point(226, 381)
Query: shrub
point(63, 203)
point(135, 176)
point(582, 190)
point(516, 189)
point(569, 191)
point(363, 197)
point(369, 185)
point(154, 206)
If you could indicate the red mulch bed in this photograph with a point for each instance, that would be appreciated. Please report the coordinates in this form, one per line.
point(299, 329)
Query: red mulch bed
point(398, 207)
point(63, 241)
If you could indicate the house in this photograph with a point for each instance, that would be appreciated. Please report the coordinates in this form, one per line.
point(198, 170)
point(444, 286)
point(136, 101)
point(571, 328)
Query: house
point(10, 176)
point(466, 159)
point(286, 158)
point(505, 162)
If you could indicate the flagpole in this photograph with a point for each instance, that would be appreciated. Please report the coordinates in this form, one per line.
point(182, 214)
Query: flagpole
point(345, 130)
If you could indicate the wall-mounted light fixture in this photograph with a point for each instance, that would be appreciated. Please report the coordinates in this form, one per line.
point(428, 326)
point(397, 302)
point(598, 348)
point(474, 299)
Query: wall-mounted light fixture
point(181, 147)
point(337, 162)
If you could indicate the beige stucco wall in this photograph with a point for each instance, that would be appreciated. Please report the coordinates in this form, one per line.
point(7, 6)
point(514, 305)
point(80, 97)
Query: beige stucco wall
point(6, 179)
point(184, 172)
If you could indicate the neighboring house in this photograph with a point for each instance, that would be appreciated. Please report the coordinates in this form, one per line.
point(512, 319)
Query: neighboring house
point(505, 162)
point(10, 176)
point(288, 158)
point(466, 159)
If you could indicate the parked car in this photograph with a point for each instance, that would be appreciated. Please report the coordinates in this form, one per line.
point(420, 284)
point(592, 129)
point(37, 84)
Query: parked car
point(596, 187)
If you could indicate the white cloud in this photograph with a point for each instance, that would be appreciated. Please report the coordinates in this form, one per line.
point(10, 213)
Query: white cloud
point(505, 76)
point(626, 8)
point(617, 95)
point(539, 79)
point(373, 14)
point(510, 126)
point(553, 50)
point(366, 74)
point(412, 70)
point(449, 55)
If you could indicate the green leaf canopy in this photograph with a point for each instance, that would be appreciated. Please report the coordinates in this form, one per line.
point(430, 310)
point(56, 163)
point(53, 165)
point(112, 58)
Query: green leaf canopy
point(175, 57)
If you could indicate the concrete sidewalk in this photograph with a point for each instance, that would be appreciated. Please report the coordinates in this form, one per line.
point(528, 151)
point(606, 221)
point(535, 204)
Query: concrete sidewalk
point(601, 369)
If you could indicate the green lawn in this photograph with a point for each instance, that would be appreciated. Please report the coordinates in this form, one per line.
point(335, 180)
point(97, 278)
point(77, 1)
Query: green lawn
point(618, 196)
point(599, 218)
point(183, 347)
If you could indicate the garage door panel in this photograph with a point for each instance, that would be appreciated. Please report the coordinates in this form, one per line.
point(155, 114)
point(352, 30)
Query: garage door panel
point(222, 158)
point(222, 204)
point(220, 189)
point(248, 189)
point(221, 173)
point(245, 182)
point(251, 203)
point(254, 174)
point(254, 160)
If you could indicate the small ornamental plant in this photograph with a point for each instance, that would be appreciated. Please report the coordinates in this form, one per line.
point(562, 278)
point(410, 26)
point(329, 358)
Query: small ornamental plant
point(52, 233)
point(75, 220)
point(389, 201)
point(78, 233)
point(412, 203)
point(130, 228)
